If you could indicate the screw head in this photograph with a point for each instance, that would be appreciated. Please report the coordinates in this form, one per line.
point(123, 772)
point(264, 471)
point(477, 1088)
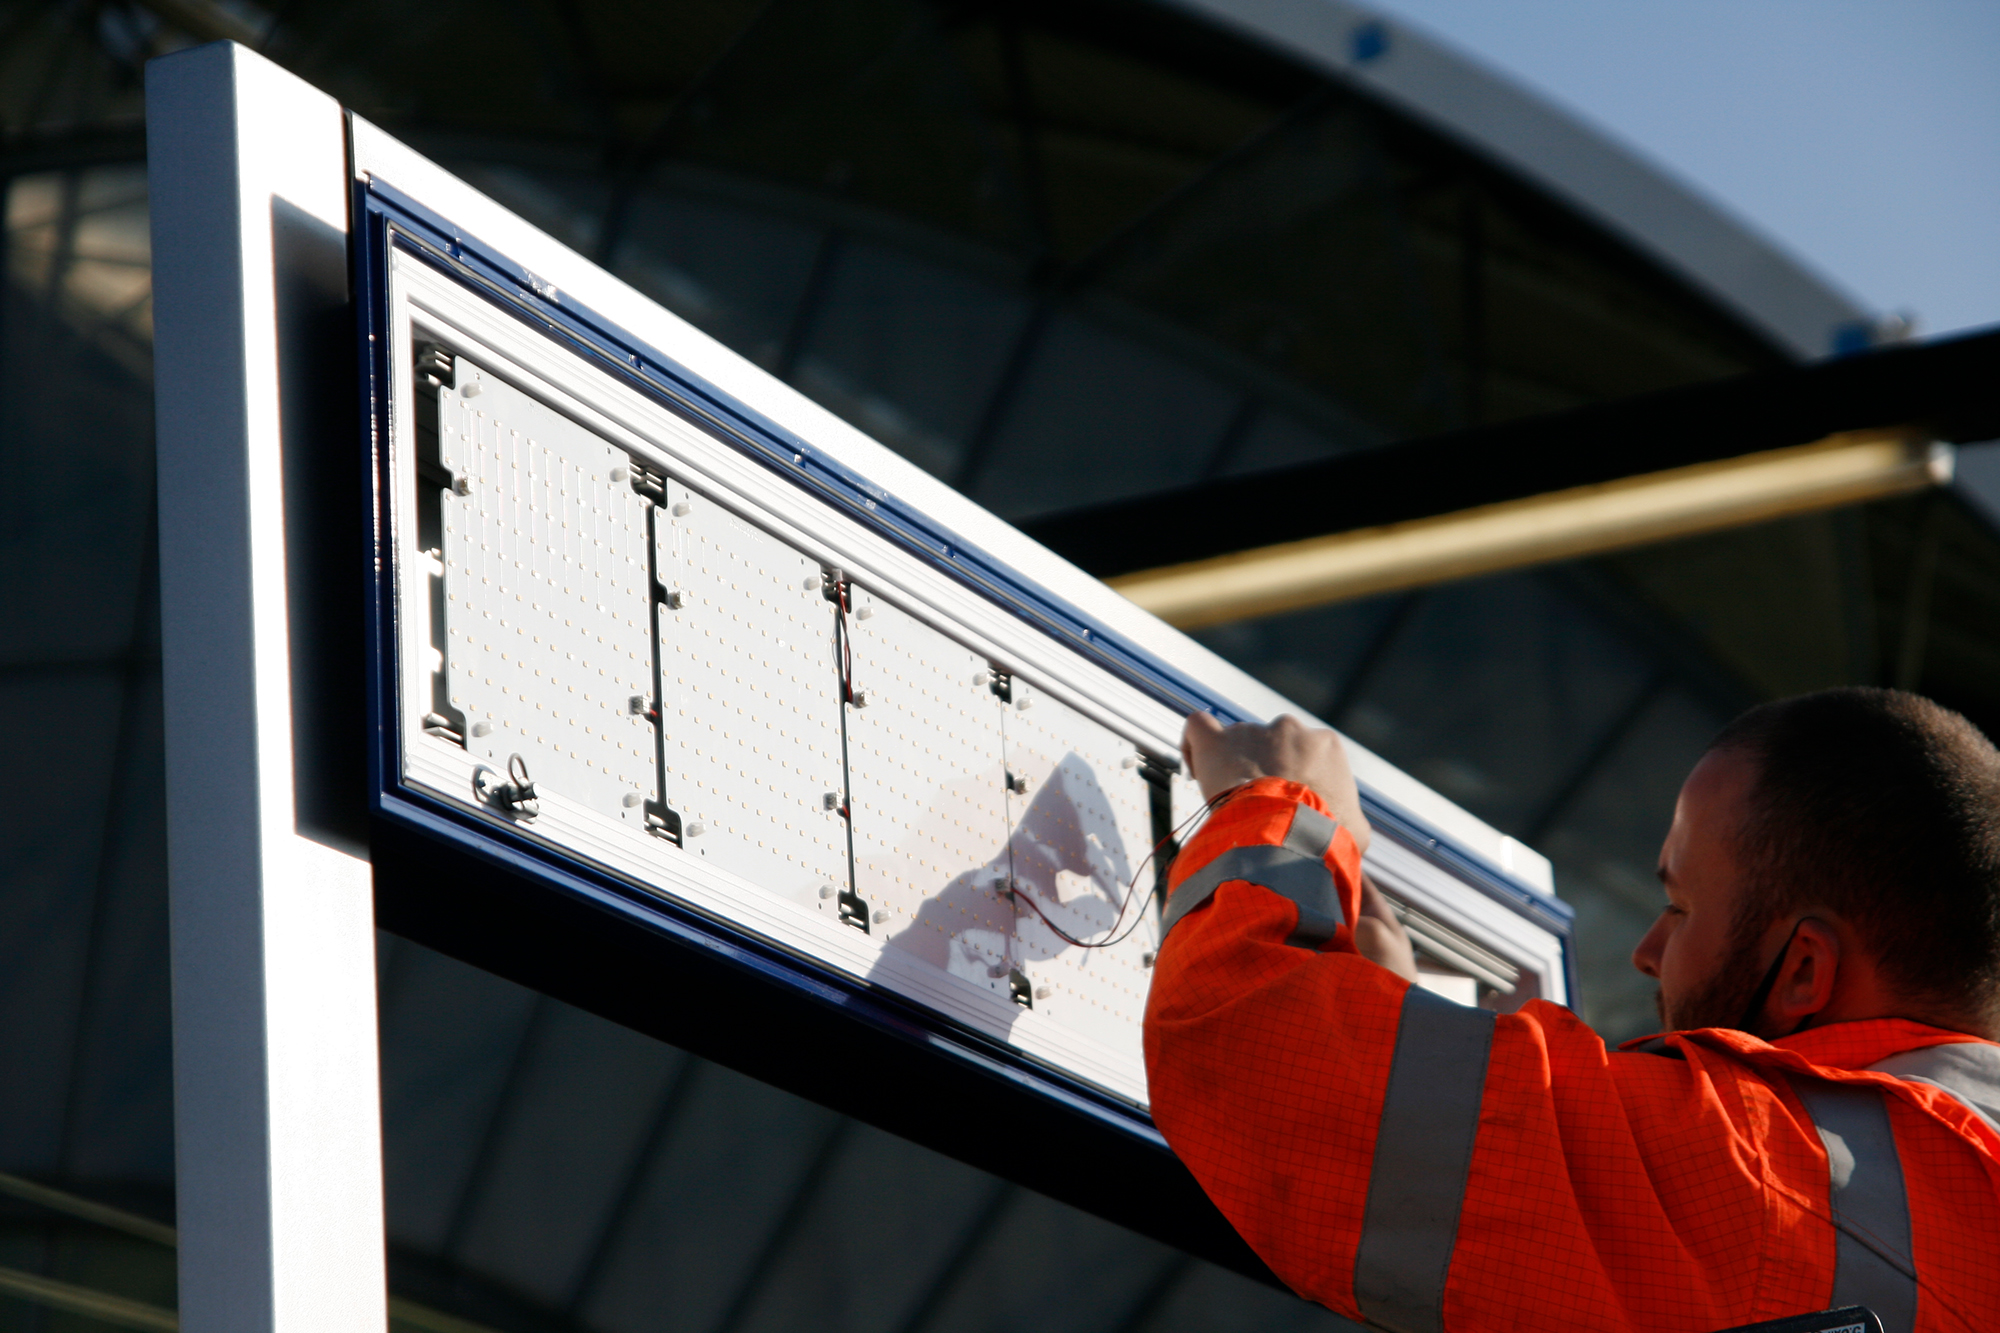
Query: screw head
point(682, 509)
point(826, 890)
point(696, 829)
point(482, 728)
point(632, 799)
point(880, 916)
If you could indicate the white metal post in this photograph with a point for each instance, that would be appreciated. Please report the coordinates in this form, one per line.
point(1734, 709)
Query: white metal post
point(277, 1119)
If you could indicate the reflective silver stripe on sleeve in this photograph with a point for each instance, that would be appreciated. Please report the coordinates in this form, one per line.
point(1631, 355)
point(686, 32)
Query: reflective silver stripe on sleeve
point(1968, 1070)
point(1423, 1152)
point(1295, 868)
point(1871, 1259)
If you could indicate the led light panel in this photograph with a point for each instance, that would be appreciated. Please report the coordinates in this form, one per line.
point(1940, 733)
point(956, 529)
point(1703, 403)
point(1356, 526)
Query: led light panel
point(1082, 817)
point(749, 707)
point(633, 646)
point(928, 777)
point(547, 652)
point(625, 638)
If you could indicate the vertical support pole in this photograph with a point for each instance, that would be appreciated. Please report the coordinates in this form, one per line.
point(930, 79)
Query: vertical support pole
point(276, 1108)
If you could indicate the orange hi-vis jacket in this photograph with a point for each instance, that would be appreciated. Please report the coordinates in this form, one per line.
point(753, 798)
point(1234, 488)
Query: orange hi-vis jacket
point(1422, 1165)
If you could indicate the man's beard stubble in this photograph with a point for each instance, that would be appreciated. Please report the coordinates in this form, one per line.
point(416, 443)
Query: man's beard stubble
point(1720, 1001)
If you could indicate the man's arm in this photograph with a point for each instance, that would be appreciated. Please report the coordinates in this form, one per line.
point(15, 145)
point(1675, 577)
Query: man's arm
point(1395, 1156)
point(1220, 759)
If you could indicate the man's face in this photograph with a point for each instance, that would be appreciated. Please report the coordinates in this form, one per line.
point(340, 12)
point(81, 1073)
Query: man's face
point(1707, 973)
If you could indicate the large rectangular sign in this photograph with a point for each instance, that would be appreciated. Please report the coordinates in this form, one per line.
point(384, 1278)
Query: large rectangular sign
point(657, 637)
point(611, 664)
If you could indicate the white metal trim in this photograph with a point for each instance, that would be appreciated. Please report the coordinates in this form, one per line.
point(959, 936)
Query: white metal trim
point(276, 1106)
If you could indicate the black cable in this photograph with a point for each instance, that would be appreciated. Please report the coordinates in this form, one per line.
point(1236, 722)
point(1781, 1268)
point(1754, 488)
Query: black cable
point(843, 663)
point(1763, 992)
point(1130, 888)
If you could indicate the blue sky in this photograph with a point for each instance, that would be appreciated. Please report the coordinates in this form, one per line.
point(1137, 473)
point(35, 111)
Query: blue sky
point(1862, 135)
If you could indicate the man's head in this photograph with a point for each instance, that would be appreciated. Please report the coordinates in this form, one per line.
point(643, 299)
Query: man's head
point(1840, 853)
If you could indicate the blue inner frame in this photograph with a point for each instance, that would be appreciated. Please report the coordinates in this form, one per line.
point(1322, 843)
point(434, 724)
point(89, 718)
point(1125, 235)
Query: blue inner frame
point(386, 220)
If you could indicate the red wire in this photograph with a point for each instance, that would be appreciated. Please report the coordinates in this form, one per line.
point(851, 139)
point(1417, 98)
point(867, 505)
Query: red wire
point(844, 648)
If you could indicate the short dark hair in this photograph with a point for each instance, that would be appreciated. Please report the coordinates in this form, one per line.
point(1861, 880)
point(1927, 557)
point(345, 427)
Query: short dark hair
point(1884, 807)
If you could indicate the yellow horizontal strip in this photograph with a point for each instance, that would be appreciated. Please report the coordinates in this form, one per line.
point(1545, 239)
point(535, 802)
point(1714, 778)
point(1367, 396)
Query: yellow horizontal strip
point(145, 1228)
point(1562, 525)
point(137, 1314)
point(115, 1310)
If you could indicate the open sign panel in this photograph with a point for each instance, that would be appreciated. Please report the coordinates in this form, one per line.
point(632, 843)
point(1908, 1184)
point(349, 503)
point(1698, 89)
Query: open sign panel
point(679, 643)
point(619, 663)
point(669, 695)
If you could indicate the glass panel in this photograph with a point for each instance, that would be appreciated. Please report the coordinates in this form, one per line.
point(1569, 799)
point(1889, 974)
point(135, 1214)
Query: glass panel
point(735, 274)
point(1493, 692)
point(76, 415)
point(1308, 656)
point(582, 1098)
point(1099, 417)
point(547, 1169)
point(1276, 440)
point(909, 351)
point(567, 205)
point(1606, 847)
point(79, 240)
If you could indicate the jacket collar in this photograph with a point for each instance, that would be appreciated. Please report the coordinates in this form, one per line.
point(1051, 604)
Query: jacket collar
point(1840, 1046)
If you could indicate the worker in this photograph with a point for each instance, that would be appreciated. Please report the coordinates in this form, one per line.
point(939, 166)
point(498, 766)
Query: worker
point(1817, 1128)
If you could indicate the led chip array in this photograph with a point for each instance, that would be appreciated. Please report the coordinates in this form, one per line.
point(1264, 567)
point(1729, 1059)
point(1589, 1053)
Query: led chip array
point(666, 654)
point(547, 639)
point(750, 695)
point(1082, 832)
point(930, 800)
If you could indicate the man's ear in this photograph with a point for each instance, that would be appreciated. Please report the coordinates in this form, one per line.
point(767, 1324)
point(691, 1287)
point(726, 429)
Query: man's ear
point(1806, 979)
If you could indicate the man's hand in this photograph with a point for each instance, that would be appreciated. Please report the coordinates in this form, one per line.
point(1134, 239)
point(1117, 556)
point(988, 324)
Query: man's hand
point(1221, 757)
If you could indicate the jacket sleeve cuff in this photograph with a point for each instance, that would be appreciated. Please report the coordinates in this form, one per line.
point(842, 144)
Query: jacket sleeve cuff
point(1279, 835)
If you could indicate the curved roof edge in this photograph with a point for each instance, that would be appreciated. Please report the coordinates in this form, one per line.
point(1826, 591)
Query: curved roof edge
point(1407, 69)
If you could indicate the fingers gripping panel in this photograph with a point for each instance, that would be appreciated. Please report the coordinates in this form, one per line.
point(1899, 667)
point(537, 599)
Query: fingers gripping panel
point(547, 637)
point(930, 801)
point(749, 703)
point(1082, 821)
